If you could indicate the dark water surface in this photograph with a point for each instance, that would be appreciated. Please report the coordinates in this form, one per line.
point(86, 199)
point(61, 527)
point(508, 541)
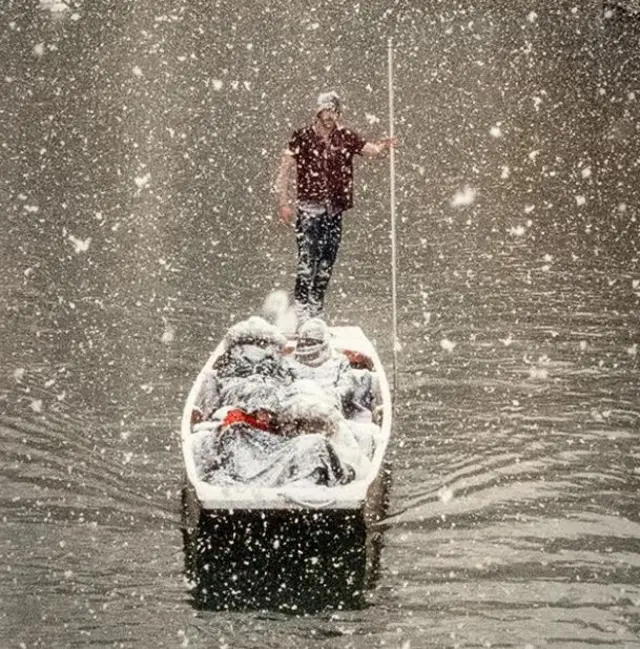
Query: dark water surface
point(153, 128)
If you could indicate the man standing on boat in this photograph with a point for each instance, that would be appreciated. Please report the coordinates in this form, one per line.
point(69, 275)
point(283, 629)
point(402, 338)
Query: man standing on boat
point(320, 158)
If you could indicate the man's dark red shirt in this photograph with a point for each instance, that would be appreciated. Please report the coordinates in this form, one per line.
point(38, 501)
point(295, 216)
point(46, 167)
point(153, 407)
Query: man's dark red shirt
point(325, 170)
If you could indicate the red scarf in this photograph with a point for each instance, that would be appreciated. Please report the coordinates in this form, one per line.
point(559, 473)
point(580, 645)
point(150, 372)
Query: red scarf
point(238, 416)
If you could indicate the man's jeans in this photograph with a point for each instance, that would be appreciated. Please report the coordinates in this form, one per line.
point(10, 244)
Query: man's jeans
point(318, 237)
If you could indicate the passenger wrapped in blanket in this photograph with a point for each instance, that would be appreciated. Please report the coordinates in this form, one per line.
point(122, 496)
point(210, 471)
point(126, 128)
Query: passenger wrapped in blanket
point(251, 347)
point(315, 359)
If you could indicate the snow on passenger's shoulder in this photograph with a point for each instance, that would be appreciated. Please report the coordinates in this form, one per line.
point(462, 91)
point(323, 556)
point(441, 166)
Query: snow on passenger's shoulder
point(306, 399)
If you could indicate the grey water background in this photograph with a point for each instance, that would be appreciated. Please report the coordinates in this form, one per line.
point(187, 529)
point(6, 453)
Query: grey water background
point(153, 129)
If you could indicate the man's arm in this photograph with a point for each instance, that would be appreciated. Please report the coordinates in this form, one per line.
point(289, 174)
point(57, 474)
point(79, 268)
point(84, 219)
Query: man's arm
point(283, 186)
point(373, 149)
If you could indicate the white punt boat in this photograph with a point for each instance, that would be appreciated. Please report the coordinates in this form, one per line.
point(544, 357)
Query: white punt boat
point(361, 494)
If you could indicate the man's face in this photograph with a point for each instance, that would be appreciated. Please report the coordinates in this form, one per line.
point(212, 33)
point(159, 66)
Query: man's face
point(328, 118)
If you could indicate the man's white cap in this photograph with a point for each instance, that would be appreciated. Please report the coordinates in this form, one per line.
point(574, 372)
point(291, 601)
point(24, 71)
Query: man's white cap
point(329, 101)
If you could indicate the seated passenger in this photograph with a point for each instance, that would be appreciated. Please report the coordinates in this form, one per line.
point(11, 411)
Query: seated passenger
point(251, 447)
point(253, 346)
point(307, 409)
point(316, 360)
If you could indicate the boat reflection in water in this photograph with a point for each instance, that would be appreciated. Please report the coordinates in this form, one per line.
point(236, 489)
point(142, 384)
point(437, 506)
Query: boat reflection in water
point(291, 560)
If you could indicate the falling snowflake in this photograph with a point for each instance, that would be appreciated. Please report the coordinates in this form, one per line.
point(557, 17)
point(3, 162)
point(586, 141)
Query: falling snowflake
point(517, 230)
point(538, 373)
point(168, 334)
point(79, 245)
point(142, 181)
point(464, 197)
point(447, 345)
point(445, 494)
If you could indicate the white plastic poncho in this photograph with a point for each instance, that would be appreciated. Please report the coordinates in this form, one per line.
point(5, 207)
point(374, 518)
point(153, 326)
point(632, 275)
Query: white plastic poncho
point(252, 347)
point(314, 359)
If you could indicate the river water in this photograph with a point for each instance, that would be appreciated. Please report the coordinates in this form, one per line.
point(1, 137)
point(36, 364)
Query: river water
point(139, 142)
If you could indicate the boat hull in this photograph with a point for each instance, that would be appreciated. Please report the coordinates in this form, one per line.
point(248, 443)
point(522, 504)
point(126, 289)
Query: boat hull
point(297, 560)
point(303, 550)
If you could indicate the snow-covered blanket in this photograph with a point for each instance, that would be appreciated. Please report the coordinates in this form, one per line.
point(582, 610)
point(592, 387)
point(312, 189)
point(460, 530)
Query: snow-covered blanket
point(241, 453)
point(306, 440)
